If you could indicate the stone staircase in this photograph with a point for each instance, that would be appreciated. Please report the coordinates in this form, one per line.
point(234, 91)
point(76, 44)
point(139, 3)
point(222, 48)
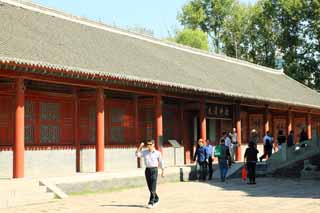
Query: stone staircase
point(293, 158)
point(299, 161)
point(17, 192)
point(261, 170)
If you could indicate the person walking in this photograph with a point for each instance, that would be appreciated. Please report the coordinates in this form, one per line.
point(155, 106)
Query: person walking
point(250, 157)
point(210, 158)
point(290, 141)
point(152, 160)
point(267, 146)
point(223, 154)
point(254, 137)
point(201, 156)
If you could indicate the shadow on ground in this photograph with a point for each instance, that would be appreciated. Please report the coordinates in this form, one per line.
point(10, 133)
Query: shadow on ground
point(125, 206)
point(272, 187)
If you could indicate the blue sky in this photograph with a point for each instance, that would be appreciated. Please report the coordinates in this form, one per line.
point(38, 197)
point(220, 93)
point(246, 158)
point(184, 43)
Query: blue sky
point(156, 15)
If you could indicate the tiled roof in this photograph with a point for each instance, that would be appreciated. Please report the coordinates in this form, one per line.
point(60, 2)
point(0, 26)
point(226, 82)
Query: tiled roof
point(33, 35)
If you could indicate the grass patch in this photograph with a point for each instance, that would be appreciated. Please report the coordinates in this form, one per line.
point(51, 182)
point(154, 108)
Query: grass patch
point(91, 192)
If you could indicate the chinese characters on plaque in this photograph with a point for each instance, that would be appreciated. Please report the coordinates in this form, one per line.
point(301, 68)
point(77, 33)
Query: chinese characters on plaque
point(219, 111)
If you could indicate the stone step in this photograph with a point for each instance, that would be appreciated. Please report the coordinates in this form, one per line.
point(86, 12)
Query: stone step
point(26, 200)
point(22, 189)
point(22, 192)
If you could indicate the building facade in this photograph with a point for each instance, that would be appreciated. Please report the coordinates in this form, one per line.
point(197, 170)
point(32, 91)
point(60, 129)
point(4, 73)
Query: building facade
point(76, 95)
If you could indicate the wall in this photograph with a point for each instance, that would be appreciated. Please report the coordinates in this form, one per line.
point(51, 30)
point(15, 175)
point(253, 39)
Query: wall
point(40, 163)
point(116, 159)
point(44, 163)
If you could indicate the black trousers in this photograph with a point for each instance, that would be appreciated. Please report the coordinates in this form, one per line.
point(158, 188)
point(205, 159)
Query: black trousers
point(151, 177)
point(210, 170)
point(251, 167)
point(203, 170)
point(267, 152)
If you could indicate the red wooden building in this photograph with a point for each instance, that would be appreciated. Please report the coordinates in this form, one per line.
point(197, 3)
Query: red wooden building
point(67, 83)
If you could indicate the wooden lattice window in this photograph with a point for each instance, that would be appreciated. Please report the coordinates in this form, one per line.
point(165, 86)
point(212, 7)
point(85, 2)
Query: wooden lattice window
point(50, 133)
point(92, 123)
point(121, 121)
point(6, 121)
point(30, 118)
point(87, 122)
point(117, 125)
point(146, 123)
point(50, 122)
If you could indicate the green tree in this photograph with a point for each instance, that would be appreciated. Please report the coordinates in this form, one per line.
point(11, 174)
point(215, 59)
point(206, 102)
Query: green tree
point(299, 39)
point(193, 38)
point(257, 33)
point(235, 32)
point(207, 15)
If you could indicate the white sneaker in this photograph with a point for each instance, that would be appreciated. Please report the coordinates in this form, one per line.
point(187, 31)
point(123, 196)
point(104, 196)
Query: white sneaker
point(149, 206)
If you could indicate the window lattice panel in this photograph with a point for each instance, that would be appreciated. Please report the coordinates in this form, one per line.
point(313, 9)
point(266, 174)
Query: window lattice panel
point(50, 133)
point(50, 111)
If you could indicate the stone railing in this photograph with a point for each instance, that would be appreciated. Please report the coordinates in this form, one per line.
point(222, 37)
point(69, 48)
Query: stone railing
point(289, 155)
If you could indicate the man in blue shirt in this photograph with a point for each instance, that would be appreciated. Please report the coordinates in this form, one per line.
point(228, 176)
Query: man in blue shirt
point(202, 158)
point(210, 158)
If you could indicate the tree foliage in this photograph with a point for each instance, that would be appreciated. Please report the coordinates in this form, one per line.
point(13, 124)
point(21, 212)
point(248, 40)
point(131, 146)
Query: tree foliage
point(262, 32)
point(193, 38)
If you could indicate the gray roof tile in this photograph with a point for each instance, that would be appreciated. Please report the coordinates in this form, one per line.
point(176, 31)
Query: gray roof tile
point(35, 37)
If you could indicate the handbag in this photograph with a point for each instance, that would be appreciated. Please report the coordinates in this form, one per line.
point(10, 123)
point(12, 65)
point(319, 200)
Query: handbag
point(244, 173)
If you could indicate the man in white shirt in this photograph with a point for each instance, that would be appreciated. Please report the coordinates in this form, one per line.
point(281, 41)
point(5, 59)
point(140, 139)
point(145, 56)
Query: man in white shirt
point(233, 145)
point(227, 139)
point(152, 160)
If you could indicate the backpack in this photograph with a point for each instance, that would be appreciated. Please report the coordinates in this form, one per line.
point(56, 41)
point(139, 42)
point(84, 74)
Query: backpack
point(218, 151)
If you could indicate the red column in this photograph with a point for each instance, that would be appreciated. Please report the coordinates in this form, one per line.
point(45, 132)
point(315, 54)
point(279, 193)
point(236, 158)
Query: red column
point(309, 126)
point(76, 127)
point(159, 129)
point(289, 121)
point(18, 149)
point(203, 132)
point(136, 124)
point(238, 127)
point(100, 131)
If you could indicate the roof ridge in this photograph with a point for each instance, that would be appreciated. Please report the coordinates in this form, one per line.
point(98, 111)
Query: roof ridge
point(91, 23)
point(301, 84)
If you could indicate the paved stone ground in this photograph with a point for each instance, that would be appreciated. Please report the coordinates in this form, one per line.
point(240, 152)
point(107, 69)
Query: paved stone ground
point(269, 195)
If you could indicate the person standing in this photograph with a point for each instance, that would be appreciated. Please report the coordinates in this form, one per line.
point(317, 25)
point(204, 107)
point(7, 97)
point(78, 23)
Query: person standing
point(303, 136)
point(250, 157)
point(201, 156)
point(210, 158)
point(290, 141)
point(254, 137)
point(152, 160)
point(233, 145)
point(281, 139)
point(223, 159)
